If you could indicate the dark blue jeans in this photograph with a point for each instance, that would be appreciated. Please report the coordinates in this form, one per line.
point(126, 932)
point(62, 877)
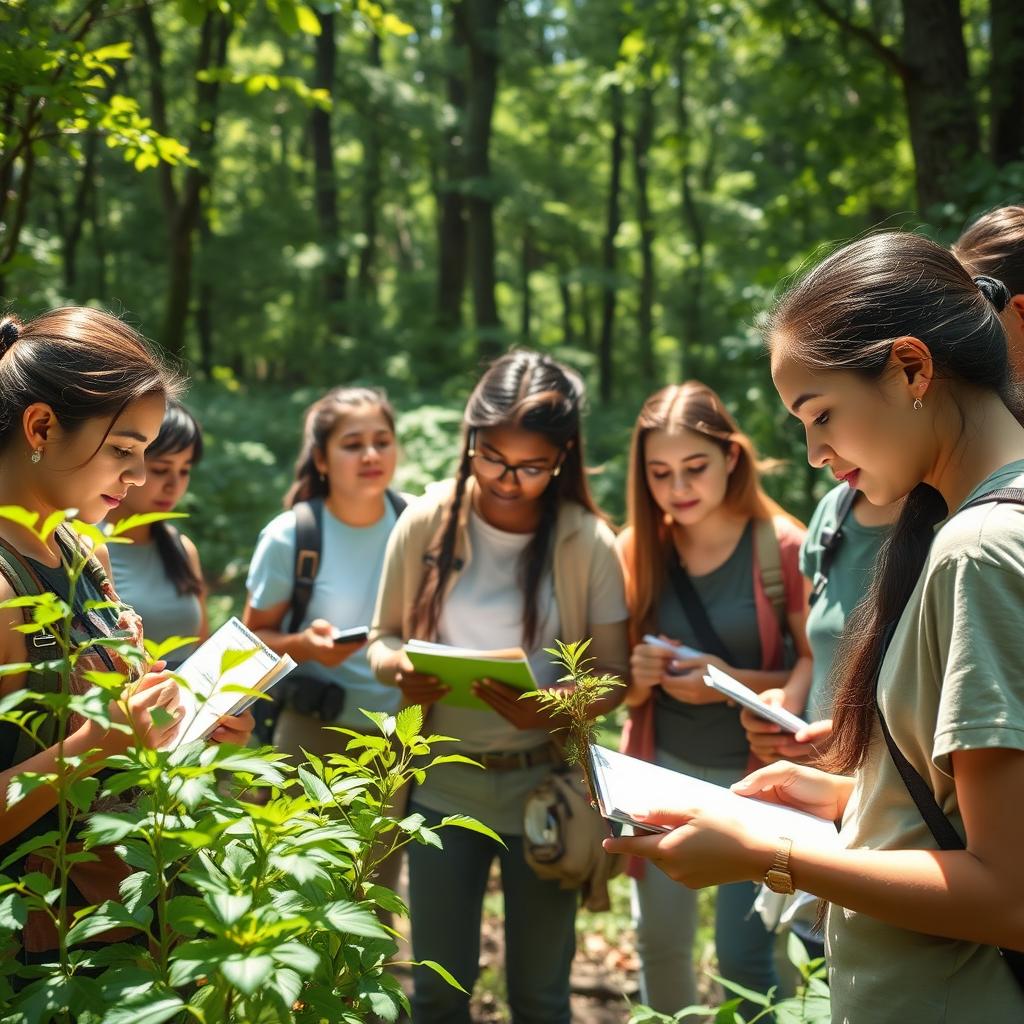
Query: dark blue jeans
point(446, 894)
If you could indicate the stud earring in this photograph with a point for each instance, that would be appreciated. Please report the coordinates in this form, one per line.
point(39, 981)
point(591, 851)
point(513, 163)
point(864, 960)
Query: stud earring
point(918, 405)
point(37, 455)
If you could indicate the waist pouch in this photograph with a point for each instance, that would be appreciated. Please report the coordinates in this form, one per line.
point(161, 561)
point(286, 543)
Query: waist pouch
point(312, 695)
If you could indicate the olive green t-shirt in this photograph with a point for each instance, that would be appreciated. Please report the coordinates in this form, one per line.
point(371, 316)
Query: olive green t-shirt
point(711, 734)
point(953, 679)
point(848, 581)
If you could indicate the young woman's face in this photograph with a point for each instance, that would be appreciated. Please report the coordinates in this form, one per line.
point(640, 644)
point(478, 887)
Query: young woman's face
point(94, 468)
point(687, 474)
point(167, 479)
point(513, 466)
point(360, 455)
point(866, 431)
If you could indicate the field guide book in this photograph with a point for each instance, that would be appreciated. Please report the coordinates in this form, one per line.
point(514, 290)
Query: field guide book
point(460, 667)
point(624, 786)
point(232, 660)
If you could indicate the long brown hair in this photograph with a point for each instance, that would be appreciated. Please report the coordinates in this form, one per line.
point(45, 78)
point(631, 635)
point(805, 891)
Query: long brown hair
point(83, 363)
point(321, 420)
point(678, 408)
point(845, 315)
point(533, 392)
point(994, 245)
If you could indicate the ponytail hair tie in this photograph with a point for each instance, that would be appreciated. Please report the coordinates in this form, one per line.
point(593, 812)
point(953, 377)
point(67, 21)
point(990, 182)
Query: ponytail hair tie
point(10, 331)
point(994, 290)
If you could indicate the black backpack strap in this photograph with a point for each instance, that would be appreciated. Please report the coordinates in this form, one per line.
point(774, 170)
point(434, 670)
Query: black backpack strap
point(830, 541)
point(397, 502)
point(309, 517)
point(941, 828)
point(693, 608)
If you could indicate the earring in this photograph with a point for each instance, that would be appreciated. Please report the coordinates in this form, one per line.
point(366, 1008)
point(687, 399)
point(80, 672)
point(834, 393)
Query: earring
point(556, 471)
point(37, 455)
point(918, 405)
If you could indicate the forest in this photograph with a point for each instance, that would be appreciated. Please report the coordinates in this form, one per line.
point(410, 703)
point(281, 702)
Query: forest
point(289, 195)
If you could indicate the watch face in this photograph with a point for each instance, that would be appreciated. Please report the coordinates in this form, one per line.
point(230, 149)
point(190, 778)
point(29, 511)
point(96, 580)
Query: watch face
point(779, 881)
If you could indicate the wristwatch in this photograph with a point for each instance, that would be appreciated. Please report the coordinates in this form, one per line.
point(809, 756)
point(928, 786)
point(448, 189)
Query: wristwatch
point(778, 877)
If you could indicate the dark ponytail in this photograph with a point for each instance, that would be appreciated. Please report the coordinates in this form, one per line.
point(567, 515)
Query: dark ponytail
point(321, 419)
point(845, 315)
point(179, 431)
point(536, 393)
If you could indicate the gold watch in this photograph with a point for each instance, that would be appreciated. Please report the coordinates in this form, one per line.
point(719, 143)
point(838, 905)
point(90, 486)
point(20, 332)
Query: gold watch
point(778, 877)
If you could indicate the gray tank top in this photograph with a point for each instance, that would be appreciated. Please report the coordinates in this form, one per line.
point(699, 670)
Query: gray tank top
point(141, 582)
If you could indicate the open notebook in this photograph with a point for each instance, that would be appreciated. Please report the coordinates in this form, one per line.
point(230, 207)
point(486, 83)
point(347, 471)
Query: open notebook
point(459, 668)
point(234, 658)
point(625, 785)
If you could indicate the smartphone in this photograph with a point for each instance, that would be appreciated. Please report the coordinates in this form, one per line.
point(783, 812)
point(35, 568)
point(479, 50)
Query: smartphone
point(682, 651)
point(355, 635)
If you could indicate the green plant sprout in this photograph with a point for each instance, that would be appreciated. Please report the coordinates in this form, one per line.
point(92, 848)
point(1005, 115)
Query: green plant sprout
point(233, 911)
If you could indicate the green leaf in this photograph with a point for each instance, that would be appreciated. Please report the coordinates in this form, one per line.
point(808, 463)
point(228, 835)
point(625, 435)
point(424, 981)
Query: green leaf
point(466, 822)
point(758, 998)
point(308, 21)
point(151, 1012)
point(13, 911)
point(143, 519)
point(316, 789)
point(796, 952)
point(352, 919)
point(106, 829)
point(19, 515)
point(297, 956)
point(228, 908)
point(106, 916)
point(247, 972)
point(409, 723)
point(232, 659)
point(438, 969)
point(159, 651)
point(82, 792)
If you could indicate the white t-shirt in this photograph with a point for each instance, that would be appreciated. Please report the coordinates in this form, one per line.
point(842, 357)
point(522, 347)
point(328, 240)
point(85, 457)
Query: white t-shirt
point(345, 592)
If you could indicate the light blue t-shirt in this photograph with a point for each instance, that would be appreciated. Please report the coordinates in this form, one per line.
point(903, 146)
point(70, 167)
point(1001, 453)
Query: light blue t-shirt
point(351, 560)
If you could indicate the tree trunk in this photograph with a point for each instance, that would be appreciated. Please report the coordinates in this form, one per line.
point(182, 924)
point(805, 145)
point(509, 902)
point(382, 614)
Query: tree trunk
point(940, 109)
point(325, 184)
point(643, 136)
point(481, 20)
point(608, 251)
point(588, 318)
point(183, 207)
point(452, 240)
point(1006, 81)
point(204, 305)
point(568, 328)
point(525, 267)
point(371, 184)
point(692, 327)
point(79, 214)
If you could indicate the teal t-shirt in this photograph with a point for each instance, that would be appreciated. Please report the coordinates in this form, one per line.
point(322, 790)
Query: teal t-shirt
point(711, 734)
point(345, 592)
point(848, 581)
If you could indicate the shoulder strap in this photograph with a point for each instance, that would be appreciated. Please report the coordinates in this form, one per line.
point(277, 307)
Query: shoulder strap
point(693, 608)
point(945, 835)
point(830, 541)
point(308, 536)
point(397, 502)
point(1005, 496)
point(768, 553)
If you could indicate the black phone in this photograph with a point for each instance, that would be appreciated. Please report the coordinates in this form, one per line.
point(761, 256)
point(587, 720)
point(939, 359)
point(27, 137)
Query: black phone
point(355, 635)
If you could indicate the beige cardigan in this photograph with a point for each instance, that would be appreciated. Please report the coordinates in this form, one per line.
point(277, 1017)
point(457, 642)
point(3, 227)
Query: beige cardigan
point(584, 549)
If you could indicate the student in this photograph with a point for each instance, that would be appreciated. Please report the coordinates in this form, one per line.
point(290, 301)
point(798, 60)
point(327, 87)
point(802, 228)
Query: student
point(837, 558)
point(81, 396)
point(345, 467)
point(994, 245)
point(701, 532)
point(511, 553)
point(159, 573)
point(890, 338)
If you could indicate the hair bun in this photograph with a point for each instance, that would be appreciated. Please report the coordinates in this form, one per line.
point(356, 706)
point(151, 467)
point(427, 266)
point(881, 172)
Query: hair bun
point(994, 290)
point(10, 331)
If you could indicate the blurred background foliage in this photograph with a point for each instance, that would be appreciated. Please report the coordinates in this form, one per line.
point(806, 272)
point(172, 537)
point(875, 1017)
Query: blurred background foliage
point(292, 195)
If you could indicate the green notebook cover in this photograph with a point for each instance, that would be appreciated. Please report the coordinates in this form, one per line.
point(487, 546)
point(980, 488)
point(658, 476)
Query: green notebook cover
point(461, 672)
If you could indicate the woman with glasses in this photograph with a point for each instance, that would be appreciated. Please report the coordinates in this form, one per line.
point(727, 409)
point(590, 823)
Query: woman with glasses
point(512, 553)
point(712, 563)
